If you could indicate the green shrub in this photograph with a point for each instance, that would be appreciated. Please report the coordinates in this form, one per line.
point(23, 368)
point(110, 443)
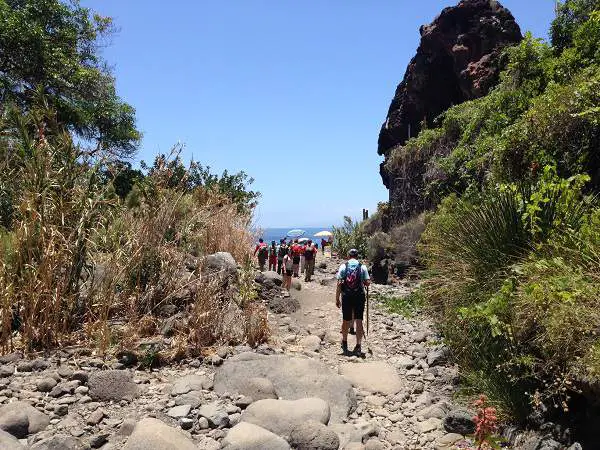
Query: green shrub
point(350, 235)
point(510, 289)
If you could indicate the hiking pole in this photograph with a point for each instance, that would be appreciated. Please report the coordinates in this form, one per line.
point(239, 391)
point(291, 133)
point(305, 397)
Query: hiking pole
point(367, 310)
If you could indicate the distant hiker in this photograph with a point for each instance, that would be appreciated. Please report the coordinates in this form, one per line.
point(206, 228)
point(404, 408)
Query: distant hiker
point(296, 251)
point(288, 263)
point(352, 277)
point(282, 250)
point(302, 248)
point(263, 253)
point(273, 256)
point(323, 244)
point(310, 253)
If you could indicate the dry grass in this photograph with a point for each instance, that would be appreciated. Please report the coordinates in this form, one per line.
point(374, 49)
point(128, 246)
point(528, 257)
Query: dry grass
point(76, 257)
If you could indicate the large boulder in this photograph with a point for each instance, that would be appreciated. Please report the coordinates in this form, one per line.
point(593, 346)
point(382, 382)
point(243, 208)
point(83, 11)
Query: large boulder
point(60, 442)
point(247, 436)
point(313, 435)
point(273, 277)
point(293, 378)
point(116, 385)
point(221, 263)
point(9, 442)
point(373, 376)
point(152, 434)
point(21, 419)
point(283, 416)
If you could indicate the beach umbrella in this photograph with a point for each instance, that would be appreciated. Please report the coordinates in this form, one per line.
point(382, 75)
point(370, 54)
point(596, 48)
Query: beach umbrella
point(302, 240)
point(324, 234)
point(295, 233)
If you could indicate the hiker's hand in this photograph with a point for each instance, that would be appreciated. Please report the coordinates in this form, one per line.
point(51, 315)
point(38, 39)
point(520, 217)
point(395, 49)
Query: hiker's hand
point(338, 303)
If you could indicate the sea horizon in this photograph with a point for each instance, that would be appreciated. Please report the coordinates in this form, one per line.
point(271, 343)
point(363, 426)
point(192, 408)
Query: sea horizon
point(277, 233)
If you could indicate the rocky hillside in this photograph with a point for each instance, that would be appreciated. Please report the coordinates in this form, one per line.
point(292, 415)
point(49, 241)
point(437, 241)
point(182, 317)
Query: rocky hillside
point(457, 60)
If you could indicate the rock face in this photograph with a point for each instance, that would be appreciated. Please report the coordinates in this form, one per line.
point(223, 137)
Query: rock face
point(457, 60)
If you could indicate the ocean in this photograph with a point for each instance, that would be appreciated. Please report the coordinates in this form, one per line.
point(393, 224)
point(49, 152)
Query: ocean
point(275, 234)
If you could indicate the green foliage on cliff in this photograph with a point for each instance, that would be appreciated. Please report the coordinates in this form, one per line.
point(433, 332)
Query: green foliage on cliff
point(513, 249)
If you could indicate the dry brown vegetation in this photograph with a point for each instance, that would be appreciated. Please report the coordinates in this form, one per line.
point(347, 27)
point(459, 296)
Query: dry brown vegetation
point(75, 259)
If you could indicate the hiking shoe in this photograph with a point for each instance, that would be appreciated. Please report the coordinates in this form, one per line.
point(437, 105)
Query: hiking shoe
point(345, 350)
point(351, 331)
point(357, 351)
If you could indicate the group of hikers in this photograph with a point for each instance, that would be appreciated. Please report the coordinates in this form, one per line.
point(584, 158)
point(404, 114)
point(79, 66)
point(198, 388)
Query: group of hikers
point(352, 289)
point(289, 260)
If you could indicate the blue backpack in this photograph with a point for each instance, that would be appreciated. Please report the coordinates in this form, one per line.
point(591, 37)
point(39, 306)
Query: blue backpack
point(353, 280)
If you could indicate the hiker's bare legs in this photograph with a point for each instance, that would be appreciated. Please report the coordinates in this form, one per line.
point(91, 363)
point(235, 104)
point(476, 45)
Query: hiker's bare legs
point(359, 331)
point(345, 328)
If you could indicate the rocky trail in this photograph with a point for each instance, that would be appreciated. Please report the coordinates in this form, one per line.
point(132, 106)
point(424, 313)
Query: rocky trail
point(296, 391)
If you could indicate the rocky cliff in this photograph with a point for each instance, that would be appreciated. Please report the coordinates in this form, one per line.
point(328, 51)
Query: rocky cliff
point(457, 60)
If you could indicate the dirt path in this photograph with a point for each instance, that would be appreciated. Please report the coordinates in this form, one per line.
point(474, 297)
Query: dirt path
point(403, 386)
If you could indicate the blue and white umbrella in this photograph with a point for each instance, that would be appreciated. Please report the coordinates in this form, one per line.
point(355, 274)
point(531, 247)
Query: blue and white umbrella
point(295, 233)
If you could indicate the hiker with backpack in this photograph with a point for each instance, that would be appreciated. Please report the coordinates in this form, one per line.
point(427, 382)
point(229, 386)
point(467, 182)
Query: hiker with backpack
point(273, 256)
point(310, 253)
point(353, 277)
point(282, 250)
point(263, 253)
point(296, 251)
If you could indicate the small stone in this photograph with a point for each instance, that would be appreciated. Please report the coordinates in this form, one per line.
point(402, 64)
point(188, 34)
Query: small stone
point(7, 370)
point(25, 366)
point(61, 410)
point(80, 375)
point(95, 417)
point(46, 384)
point(429, 425)
point(82, 390)
point(98, 440)
point(179, 411)
point(186, 423)
point(215, 360)
point(65, 372)
point(203, 423)
point(459, 421)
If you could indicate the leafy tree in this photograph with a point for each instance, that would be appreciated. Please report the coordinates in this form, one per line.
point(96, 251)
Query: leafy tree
point(571, 14)
point(52, 46)
point(236, 186)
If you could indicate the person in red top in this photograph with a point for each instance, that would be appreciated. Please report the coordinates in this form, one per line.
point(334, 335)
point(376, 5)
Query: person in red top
point(296, 251)
point(310, 254)
point(263, 252)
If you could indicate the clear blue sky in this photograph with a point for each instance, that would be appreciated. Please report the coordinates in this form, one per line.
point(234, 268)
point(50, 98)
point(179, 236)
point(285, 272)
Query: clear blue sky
point(292, 92)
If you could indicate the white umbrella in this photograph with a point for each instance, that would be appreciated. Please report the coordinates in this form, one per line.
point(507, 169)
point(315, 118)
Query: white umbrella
point(295, 233)
point(324, 234)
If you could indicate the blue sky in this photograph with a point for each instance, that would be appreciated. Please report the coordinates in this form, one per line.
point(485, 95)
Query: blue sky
point(292, 92)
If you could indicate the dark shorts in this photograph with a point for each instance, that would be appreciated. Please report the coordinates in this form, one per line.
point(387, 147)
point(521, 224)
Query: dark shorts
point(353, 306)
point(289, 272)
point(296, 260)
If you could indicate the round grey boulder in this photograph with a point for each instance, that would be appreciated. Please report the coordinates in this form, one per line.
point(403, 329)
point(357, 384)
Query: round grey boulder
point(246, 436)
point(152, 434)
point(283, 416)
point(9, 442)
point(21, 419)
point(313, 435)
